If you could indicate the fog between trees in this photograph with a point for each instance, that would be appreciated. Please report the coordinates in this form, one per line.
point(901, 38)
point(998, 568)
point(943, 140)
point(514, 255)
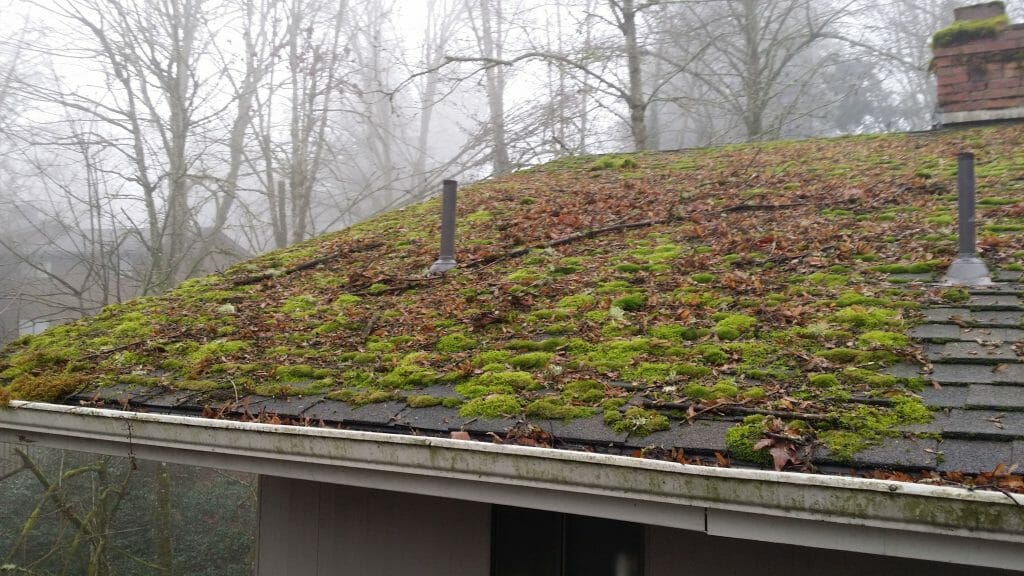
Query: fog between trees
point(144, 141)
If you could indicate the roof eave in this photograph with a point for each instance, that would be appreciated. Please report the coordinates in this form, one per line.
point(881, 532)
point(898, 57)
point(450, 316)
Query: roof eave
point(907, 520)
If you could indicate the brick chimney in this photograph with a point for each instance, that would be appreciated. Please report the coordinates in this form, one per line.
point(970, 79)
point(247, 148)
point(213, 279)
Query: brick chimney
point(979, 65)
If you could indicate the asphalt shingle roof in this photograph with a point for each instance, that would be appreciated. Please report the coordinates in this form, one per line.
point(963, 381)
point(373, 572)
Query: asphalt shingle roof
point(747, 304)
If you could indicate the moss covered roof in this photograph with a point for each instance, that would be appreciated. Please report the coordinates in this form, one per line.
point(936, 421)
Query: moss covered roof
point(762, 291)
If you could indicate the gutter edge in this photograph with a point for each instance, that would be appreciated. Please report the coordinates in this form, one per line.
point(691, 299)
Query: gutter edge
point(412, 463)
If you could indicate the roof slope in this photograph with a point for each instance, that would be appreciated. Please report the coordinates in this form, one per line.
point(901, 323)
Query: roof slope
point(750, 302)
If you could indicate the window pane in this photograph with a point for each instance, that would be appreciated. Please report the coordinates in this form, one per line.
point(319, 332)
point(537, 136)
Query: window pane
point(525, 542)
point(596, 547)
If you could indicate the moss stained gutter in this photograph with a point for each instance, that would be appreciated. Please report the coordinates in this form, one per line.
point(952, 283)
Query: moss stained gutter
point(836, 512)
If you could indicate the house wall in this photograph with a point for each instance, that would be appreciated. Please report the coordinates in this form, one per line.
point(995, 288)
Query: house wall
point(315, 529)
point(679, 553)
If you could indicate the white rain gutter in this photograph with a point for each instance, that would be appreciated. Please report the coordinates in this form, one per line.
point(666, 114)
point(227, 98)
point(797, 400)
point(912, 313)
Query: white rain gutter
point(834, 512)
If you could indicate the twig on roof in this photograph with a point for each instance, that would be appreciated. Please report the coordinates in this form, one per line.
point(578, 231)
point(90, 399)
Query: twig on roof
point(994, 487)
point(406, 283)
point(732, 408)
point(371, 324)
point(575, 237)
point(257, 278)
point(622, 226)
point(131, 344)
point(753, 207)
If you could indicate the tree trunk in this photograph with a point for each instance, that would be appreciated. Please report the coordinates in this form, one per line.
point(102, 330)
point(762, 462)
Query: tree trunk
point(162, 518)
point(491, 42)
point(753, 117)
point(636, 102)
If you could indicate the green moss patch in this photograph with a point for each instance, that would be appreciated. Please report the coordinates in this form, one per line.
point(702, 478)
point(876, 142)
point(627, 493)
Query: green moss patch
point(491, 407)
point(631, 302)
point(866, 426)
point(866, 317)
point(733, 326)
point(423, 401)
point(636, 421)
point(497, 383)
point(554, 408)
point(883, 339)
point(300, 372)
point(531, 360)
point(455, 343)
point(956, 295)
point(741, 439)
point(407, 376)
point(964, 31)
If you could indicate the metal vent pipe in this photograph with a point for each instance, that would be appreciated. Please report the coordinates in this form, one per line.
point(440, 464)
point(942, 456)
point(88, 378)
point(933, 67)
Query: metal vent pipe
point(967, 269)
point(446, 261)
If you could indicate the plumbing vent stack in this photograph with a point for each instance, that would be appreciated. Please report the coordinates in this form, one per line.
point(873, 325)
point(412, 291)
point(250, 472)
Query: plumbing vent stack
point(446, 261)
point(967, 269)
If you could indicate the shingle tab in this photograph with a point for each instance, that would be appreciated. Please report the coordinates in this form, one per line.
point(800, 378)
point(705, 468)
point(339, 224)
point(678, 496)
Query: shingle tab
point(292, 407)
point(991, 334)
point(972, 353)
point(995, 302)
point(995, 397)
point(936, 332)
point(981, 318)
point(945, 397)
point(999, 319)
point(946, 314)
point(974, 456)
point(915, 453)
point(434, 418)
point(584, 430)
point(110, 394)
point(1010, 373)
point(991, 424)
point(168, 399)
point(1017, 458)
point(997, 289)
point(384, 413)
point(905, 370)
point(702, 435)
point(330, 411)
point(499, 426)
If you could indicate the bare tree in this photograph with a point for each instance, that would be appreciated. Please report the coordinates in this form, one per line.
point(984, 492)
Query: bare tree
point(894, 37)
point(755, 46)
point(158, 100)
